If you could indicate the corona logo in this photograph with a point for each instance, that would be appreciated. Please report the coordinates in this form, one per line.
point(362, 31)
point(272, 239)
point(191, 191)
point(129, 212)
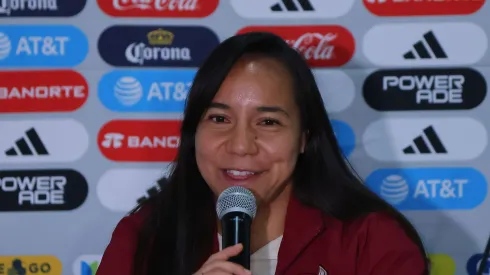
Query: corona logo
point(160, 37)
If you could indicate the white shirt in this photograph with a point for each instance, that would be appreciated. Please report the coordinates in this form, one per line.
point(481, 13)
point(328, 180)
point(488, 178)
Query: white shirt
point(264, 260)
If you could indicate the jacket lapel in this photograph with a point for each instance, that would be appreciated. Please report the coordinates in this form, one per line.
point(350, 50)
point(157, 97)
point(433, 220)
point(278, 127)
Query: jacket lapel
point(302, 225)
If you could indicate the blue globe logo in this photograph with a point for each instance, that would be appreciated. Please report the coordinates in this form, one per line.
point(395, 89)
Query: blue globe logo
point(394, 189)
point(5, 46)
point(128, 91)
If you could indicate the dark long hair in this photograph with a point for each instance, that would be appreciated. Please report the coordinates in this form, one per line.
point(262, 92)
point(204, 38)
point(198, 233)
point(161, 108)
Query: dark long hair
point(178, 234)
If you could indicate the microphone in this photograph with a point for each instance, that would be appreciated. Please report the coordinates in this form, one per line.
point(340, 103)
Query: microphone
point(236, 207)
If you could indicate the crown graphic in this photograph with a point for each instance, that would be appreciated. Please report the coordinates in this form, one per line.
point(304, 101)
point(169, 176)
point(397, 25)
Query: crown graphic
point(160, 37)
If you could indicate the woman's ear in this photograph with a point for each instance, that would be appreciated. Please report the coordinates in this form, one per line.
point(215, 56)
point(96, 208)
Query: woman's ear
point(304, 138)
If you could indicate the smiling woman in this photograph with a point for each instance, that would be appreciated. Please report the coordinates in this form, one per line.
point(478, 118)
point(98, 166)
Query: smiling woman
point(254, 117)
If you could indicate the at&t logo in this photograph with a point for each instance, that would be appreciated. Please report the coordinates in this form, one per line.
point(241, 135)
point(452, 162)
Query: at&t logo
point(429, 188)
point(42, 46)
point(5, 46)
point(145, 90)
point(128, 90)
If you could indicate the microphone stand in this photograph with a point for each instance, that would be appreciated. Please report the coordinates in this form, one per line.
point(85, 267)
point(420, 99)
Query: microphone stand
point(484, 259)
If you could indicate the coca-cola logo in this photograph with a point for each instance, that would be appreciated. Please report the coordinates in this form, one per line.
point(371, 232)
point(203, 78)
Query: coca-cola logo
point(321, 46)
point(158, 8)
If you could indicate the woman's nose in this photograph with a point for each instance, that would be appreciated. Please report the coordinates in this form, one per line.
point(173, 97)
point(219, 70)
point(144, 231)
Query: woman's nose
point(242, 141)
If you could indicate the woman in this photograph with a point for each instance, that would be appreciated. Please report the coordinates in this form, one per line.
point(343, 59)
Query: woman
point(254, 117)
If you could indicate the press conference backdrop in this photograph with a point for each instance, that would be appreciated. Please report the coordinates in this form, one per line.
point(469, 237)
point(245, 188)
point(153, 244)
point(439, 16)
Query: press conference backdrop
point(91, 94)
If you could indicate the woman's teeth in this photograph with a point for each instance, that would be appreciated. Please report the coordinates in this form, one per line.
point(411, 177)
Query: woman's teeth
point(240, 173)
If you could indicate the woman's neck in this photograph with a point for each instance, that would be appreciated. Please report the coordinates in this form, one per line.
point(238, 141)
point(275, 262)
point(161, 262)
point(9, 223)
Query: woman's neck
point(269, 222)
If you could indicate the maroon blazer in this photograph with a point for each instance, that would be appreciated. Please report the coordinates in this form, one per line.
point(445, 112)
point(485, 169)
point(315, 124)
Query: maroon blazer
point(313, 243)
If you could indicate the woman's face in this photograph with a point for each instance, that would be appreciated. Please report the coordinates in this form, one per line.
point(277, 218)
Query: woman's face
point(250, 136)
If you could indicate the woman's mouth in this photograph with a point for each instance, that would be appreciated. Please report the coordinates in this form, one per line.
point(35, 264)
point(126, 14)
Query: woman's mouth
point(239, 175)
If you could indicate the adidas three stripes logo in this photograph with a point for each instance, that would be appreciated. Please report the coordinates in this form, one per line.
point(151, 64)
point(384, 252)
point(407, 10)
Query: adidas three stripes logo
point(427, 48)
point(426, 143)
point(292, 5)
point(29, 145)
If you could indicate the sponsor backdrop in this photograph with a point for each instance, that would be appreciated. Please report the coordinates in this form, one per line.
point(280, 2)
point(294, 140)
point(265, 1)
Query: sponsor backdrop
point(91, 93)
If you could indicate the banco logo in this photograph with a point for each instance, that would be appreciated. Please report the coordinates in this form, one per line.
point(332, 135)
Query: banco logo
point(425, 89)
point(41, 8)
point(425, 44)
point(140, 140)
point(42, 190)
point(345, 136)
point(425, 139)
point(423, 7)
point(30, 265)
point(450, 188)
point(145, 90)
point(284, 9)
point(156, 46)
point(36, 141)
point(42, 46)
point(86, 264)
point(474, 262)
point(337, 89)
point(120, 190)
point(442, 264)
point(159, 8)
point(321, 46)
point(42, 91)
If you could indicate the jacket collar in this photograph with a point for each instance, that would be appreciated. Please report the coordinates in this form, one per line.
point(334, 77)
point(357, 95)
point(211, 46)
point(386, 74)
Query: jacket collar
point(302, 225)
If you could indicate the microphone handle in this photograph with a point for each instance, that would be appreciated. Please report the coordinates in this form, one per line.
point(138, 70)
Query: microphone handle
point(236, 228)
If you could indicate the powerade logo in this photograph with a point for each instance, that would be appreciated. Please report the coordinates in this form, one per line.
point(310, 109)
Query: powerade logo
point(448, 188)
point(345, 136)
point(156, 46)
point(42, 190)
point(425, 89)
point(145, 90)
point(474, 263)
point(42, 46)
point(41, 8)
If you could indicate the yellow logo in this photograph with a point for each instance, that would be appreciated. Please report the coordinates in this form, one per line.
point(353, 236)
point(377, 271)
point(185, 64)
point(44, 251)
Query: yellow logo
point(160, 37)
point(30, 265)
point(441, 264)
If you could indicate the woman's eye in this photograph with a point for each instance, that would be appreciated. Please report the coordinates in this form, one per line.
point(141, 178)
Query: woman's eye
point(270, 121)
point(218, 119)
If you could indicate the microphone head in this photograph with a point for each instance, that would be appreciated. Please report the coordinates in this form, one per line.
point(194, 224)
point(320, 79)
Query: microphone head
point(236, 199)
